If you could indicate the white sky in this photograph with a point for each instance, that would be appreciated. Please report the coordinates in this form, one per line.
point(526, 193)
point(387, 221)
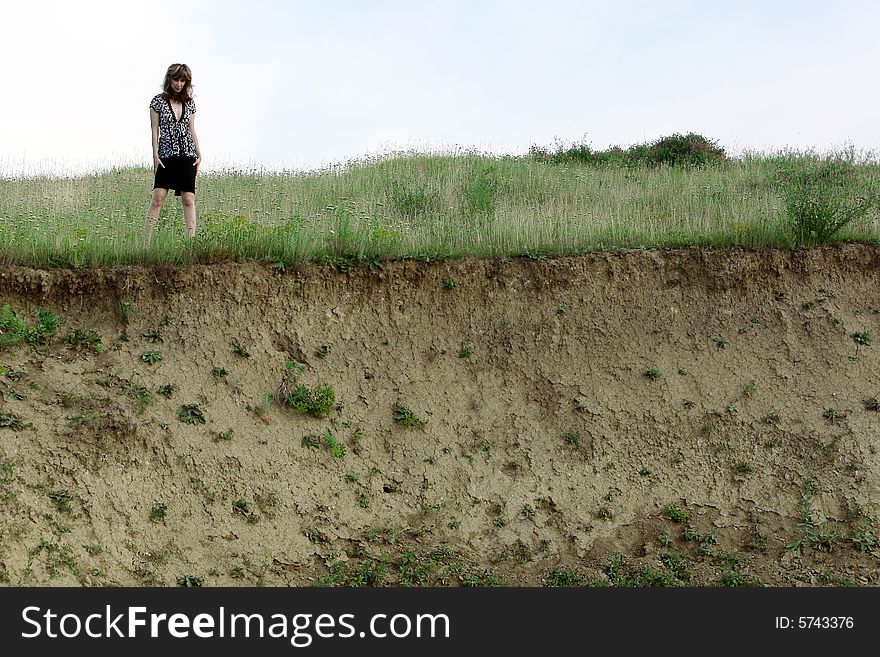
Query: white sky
point(304, 84)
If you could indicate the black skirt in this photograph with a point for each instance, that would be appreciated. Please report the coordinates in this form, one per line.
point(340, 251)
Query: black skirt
point(178, 174)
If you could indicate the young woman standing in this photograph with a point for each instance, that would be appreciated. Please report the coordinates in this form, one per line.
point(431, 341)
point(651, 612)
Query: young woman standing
point(176, 152)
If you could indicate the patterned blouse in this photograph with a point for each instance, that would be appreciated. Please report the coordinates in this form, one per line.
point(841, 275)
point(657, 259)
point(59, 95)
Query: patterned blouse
point(175, 137)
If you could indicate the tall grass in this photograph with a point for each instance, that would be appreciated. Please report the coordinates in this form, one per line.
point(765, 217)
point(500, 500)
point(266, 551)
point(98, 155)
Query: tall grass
point(411, 206)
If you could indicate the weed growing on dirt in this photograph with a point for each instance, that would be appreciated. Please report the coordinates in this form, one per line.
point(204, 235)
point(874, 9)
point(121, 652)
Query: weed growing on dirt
point(312, 441)
point(190, 581)
point(404, 416)
point(61, 499)
point(166, 390)
point(744, 468)
point(127, 304)
point(653, 374)
point(158, 512)
point(239, 350)
point(57, 555)
point(813, 534)
point(676, 514)
point(242, 507)
point(139, 394)
point(864, 535)
point(218, 372)
point(731, 574)
point(336, 448)
point(562, 577)
point(151, 357)
point(466, 351)
point(153, 336)
point(833, 415)
point(190, 414)
point(85, 338)
point(318, 401)
point(262, 410)
point(572, 438)
point(863, 337)
point(12, 327)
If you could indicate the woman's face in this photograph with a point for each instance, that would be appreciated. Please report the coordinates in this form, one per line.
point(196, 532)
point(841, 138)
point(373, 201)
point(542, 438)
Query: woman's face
point(177, 84)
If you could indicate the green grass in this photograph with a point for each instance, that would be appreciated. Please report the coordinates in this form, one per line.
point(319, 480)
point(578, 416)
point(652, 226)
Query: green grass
point(414, 206)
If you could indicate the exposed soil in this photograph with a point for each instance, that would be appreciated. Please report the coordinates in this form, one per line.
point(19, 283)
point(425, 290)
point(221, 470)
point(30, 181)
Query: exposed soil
point(577, 409)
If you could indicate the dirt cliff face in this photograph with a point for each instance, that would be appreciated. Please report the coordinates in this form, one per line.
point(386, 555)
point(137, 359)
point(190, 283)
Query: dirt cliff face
point(651, 417)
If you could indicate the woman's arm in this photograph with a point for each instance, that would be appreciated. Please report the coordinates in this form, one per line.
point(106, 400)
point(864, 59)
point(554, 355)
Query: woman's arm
point(154, 127)
point(192, 130)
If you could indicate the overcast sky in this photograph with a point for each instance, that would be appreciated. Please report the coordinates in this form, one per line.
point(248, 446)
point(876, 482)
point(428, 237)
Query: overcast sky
point(309, 83)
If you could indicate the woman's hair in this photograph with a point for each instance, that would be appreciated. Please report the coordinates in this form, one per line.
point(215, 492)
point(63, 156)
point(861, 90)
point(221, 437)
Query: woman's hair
point(177, 72)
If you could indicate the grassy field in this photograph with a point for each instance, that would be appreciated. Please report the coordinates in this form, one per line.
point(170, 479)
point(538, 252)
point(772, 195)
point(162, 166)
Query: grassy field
point(412, 206)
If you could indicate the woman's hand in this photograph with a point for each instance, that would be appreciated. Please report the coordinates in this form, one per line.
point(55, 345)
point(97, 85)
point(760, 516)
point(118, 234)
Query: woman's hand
point(197, 162)
point(156, 164)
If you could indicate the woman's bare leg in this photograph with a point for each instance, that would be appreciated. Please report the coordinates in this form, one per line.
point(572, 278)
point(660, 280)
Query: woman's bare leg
point(153, 214)
point(189, 212)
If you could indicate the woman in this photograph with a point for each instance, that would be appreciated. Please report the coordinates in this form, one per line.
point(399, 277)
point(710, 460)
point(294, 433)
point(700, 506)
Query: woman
point(176, 152)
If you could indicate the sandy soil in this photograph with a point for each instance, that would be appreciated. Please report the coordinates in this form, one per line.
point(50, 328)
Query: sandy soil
point(643, 417)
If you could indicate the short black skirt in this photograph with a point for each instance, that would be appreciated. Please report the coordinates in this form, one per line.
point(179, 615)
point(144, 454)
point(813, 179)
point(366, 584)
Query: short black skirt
point(178, 174)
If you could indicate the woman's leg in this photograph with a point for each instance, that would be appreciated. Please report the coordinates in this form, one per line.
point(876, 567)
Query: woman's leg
point(156, 202)
point(189, 212)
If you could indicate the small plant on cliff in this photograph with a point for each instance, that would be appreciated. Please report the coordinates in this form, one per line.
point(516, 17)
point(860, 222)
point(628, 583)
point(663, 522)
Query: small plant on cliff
point(317, 401)
point(153, 336)
point(262, 410)
point(833, 415)
point(61, 499)
point(158, 512)
point(336, 448)
point(166, 390)
point(190, 581)
point(241, 506)
point(190, 414)
point(45, 328)
point(864, 338)
point(676, 514)
point(151, 357)
point(127, 308)
point(653, 374)
point(87, 338)
point(239, 350)
point(12, 327)
point(406, 418)
point(11, 421)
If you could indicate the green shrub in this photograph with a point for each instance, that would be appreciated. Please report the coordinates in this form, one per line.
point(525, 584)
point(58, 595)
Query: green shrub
point(679, 150)
point(12, 328)
point(317, 401)
point(822, 198)
point(45, 328)
point(690, 150)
